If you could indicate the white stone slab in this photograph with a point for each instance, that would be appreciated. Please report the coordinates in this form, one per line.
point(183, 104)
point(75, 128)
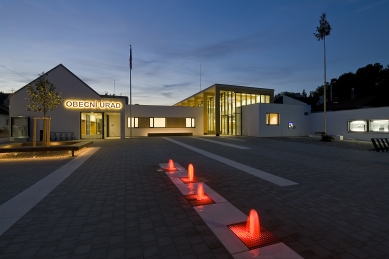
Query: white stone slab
point(222, 143)
point(276, 251)
point(253, 171)
point(230, 241)
point(220, 214)
point(191, 188)
point(175, 179)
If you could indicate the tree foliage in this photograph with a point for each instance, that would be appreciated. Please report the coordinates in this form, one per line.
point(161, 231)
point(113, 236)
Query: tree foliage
point(371, 80)
point(43, 97)
point(324, 29)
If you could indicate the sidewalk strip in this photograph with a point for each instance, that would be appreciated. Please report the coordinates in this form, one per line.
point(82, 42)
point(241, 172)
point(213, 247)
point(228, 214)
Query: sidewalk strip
point(223, 143)
point(15, 208)
point(258, 173)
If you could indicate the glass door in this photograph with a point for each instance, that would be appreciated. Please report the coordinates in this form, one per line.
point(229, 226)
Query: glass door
point(91, 125)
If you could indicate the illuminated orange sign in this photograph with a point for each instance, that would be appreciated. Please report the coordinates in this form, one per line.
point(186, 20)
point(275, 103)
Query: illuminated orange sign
point(76, 104)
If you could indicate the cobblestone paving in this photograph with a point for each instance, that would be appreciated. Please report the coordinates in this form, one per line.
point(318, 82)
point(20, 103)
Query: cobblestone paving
point(16, 176)
point(116, 205)
point(347, 144)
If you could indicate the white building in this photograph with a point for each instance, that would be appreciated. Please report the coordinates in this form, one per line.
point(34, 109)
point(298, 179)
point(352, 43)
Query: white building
point(218, 109)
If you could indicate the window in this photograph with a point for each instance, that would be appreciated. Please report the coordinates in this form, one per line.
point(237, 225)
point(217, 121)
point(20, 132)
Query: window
point(134, 122)
point(379, 125)
point(190, 122)
point(267, 100)
point(357, 126)
point(272, 118)
point(157, 123)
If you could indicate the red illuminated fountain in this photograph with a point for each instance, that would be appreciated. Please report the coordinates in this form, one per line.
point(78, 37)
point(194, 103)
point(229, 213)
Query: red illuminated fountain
point(200, 192)
point(200, 198)
point(252, 224)
point(190, 178)
point(170, 166)
point(252, 234)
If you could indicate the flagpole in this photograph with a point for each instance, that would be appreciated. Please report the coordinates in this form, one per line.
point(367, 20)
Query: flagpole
point(130, 93)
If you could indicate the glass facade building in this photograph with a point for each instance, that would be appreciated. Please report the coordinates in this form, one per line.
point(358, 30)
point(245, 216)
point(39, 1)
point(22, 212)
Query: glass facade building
point(222, 106)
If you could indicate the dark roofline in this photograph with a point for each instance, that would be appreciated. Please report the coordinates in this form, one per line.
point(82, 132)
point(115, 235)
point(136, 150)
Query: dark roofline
point(226, 86)
point(60, 65)
point(115, 97)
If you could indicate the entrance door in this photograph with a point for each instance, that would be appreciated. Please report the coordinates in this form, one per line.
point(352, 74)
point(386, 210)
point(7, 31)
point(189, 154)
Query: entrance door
point(91, 125)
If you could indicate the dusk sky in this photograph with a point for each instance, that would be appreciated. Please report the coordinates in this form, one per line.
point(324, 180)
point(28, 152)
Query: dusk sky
point(265, 44)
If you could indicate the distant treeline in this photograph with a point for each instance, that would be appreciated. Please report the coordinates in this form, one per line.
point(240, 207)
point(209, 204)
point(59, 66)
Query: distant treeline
point(371, 80)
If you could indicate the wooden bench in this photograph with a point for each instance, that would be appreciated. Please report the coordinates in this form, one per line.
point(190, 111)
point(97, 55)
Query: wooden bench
point(169, 134)
point(55, 146)
point(380, 144)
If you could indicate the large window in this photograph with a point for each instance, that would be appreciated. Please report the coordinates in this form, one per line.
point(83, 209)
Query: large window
point(91, 125)
point(134, 122)
point(272, 118)
point(357, 126)
point(379, 125)
point(189, 122)
point(20, 127)
point(157, 122)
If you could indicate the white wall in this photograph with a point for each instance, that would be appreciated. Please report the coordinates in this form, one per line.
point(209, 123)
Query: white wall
point(164, 112)
point(250, 120)
point(62, 119)
point(337, 122)
point(254, 120)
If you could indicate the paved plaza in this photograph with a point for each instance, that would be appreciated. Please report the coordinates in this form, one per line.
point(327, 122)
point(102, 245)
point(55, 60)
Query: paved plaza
point(118, 204)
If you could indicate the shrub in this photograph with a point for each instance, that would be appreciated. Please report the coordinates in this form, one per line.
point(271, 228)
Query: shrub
point(326, 138)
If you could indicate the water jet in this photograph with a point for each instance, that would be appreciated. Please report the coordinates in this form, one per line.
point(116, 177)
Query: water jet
point(252, 234)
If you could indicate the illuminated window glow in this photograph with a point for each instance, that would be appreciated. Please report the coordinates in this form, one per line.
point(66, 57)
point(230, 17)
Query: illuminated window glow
point(379, 125)
point(272, 118)
point(157, 123)
point(190, 122)
point(357, 126)
point(134, 122)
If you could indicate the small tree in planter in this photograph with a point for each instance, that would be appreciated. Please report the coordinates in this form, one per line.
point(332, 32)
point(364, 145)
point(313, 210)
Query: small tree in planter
point(43, 98)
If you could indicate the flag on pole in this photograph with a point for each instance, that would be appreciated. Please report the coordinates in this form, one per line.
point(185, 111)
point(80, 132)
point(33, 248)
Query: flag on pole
point(130, 58)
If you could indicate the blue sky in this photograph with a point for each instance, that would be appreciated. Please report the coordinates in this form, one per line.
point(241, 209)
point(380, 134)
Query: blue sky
point(268, 44)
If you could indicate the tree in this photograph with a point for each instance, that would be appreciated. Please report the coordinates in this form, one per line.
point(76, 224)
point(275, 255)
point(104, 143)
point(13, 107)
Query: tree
point(304, 94)
point(322, 31)
point(43, 98)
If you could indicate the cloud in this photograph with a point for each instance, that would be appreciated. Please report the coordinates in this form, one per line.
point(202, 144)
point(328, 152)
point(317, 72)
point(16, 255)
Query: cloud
point(15, 72)
point(176, 85)
point(168, 95)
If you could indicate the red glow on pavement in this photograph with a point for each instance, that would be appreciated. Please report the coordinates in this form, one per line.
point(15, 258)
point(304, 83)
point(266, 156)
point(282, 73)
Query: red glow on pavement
point(192, 199)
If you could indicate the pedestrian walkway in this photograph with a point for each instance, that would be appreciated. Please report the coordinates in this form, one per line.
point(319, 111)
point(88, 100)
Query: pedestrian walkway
point(117, 204)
